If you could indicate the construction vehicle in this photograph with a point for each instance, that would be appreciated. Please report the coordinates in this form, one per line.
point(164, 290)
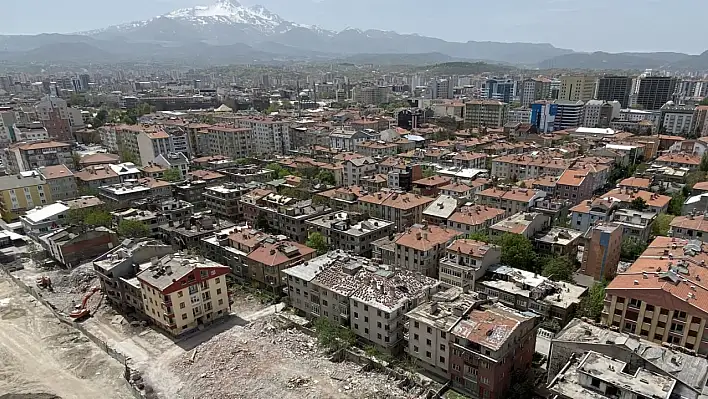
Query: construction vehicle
point(44, 282)
point(81, 312)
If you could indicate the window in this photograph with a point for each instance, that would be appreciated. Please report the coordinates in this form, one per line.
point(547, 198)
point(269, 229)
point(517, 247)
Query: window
point(443, 334)
point(428, 355)
point(428, 342)
point(416, 324)
point(356, 315)
point(366, 331)
point(415, 337)
point(442, 359)
point(182, 305)
point(378, 336)
point(218, 291)
point(180, 294)
point(635, 303)
point(415, 349)
point(217, 281)
point(430, 330)
point(221, 301)
point(442, 347)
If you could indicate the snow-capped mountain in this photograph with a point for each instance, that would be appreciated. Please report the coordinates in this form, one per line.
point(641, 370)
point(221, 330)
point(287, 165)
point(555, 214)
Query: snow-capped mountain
point(229, 12)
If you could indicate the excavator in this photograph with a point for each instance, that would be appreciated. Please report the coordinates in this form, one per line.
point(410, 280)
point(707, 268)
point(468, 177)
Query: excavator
point(81, 312)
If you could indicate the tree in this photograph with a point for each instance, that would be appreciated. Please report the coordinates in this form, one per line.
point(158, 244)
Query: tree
point(171, 175)
point(89, 217)
point(704, 101)
point(559, 268)
point(333, 337)
point(521, 386)
point(695, 177)
point(704, 162)
point(517, 251)
point(631, 249)
point(279, 171)
point(317, 242)
point(76, 160)
point(429, 172)
point(479, 236)
point(638, 204)
point(133, 229)
point(591, 306)
point(661, 225)
point(127, 156)
point(676, 204)
point(262, 222)
point(326, 177)
point(100, 119)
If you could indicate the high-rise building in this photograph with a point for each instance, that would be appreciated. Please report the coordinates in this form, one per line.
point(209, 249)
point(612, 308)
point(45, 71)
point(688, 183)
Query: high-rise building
point(577, 88)
point(441, 88)
point(499, 89)
point(611, 88)
point(600, 113)
point(543, 115)
point(655, 91)
point(488, 113)
point(84, 79)
point(534, 89)
point(602, 255)
point(570, 114)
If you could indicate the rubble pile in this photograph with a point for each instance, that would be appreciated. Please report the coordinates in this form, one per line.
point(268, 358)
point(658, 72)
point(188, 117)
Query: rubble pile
point(264, 360)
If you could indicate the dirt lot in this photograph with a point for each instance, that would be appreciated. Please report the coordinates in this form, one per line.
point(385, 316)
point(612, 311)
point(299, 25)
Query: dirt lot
point(247, 356)
point(42, 358)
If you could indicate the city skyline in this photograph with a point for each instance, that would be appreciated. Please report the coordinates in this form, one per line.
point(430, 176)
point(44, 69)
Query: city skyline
point(570, 25)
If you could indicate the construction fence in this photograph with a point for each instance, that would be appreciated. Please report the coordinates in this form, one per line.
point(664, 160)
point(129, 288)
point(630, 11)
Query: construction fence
point(103, 345)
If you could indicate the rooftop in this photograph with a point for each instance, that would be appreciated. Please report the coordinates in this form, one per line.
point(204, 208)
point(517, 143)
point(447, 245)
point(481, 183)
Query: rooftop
point(425, 238)
point(560, 236)
point(490, 325)
point(443, 207)
point(350, 223)
point(445, 308)
point(165, 272)
point(396, 199)
point(518, 222)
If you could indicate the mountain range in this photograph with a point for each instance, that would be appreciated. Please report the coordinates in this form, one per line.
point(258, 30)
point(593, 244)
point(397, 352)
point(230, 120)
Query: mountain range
point(227, 32)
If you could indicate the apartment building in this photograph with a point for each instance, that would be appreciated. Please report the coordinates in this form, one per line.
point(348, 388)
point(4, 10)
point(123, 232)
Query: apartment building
point(577, 88)
point(122, 195)
point(559, 241)
point(348, 138)
point(677, 119)
point(555, 303)
point(656, 203)
point(660, 297)
point(655, 91)
point(615, 88)
point(174, 160)
point(351, 291)
point(270, 136)
point(595, 375)
point(534, 89)
point(475, 218)
point(458, 190)
point(691, 162)
point(640, 355)
point(690, 227)
point(58, 118)
point(466, 261)
point(522, 167)
point(230, 246)
point(512, 200)
point(70, 247)
point(440, 210)
point(485, 113)
point(587, 213)
point(152, 144)
point(420, 248)
point(234, 143)
point(23, 157)
point(602, 254)
point(350, 231)
point(527, 224)
point(19, 193)
point(600, 113)
point(635, 224)
point(184, 292)
point(376, 148)
point(357, 168)
point(271, 257)
point(283, 214)
point(224, 200)
point(94, 176)
point(403, 209)
point(569, 114)
point(487, 346)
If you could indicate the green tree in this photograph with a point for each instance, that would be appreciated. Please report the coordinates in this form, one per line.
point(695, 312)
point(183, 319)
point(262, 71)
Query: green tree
point(521, 385)
point(704, 101)
point(89, 217)
point(517, 251)
point(429, 172)
point(133, 229)
point(78, 100)
point(639, 204)
point(704, 162)
point(279, 171)
point(479, 236)
point(76, 160)
point(100, 119)
point(695, 177)
point(262, 222)
point(326, 177)
point(676, 204)
point(333, 337)
point(631, 249)
point(661, 225)
point(127, 156)
point(171, 175)
point(559, 268)
point(591, 305)
point(317, 242)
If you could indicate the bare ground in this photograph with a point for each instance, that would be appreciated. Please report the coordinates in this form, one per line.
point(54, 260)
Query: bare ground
point(43, 358)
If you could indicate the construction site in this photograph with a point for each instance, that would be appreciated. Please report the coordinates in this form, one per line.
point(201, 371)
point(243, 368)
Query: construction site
point(254, 353)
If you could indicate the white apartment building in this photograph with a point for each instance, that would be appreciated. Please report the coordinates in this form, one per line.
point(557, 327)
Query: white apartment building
point(232, 142)
point(151, 144)
point(356, 168)
point(519, 115)
point(466, 261)
point(184, 292)
point(270, 136)
point(598, 113)
point(371, 299)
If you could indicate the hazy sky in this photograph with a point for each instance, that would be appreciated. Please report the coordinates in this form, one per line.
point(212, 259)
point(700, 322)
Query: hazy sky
point(606, 25)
